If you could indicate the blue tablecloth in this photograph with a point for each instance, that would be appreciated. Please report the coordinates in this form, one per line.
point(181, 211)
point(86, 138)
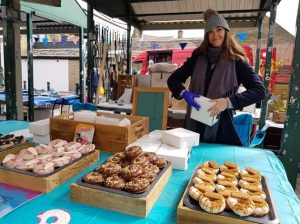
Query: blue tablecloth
point(46, 100)
point(164, 210)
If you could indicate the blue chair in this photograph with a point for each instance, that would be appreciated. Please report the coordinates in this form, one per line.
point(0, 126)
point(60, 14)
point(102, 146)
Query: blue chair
point(243, 126)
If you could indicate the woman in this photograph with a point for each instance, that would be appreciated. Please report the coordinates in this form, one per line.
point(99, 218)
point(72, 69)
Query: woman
point(217, 68)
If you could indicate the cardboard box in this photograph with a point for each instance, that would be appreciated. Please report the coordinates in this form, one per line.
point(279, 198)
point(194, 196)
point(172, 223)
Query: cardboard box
point(202, 115)
point(180, 138)
point(279, 117)
point(149, 142)
point(40, 127)
point(41, 139)
point(179, 157)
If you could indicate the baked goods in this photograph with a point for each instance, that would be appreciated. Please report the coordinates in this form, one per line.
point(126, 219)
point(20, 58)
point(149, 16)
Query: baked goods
point(231, 190)
point(137, 185)
point(131, 171)
point(241, 204)
point(115, 182)
point(230, 167)
point(109, 169)
point(160, 162)
point(225, 176)
point(94, 178)
point(43, 159)
point(212, 202)
point(11, 140)
point(212, 165)
point(261, 207)
point(133, 151)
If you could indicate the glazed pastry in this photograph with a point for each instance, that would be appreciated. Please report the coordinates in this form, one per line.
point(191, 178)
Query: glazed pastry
point(207, 184)
point(212, 202)
point(137, 185)
point(253, 191)
point(151, 168)
point(250, 182)
point(224, 176)
point(261, 207)
point(250, 172)
point(115, 182)
point(241, 204)
point(133, 151)
point(150, 176)
point(132, 171)
point(230, 167)
point(195, 193)
point(94, 178)
point(109, 169)
point(212, 165)
point(160, 162)
point(206, 172)
point(150, 156)
point(226, 187)
point(141, 160)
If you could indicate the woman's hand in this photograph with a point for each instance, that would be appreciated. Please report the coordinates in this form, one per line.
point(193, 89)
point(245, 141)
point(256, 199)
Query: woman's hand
point(221, 104)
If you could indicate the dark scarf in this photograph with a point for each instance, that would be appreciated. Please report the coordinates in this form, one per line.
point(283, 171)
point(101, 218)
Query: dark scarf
point(222, 84)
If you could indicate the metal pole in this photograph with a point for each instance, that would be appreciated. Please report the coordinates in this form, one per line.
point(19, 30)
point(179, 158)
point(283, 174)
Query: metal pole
point(290, 144)
point(128, 70)
point(267, 76)
point(258, 45)
point(48, 86)
point(30, 67)
point(12, 59)
point(90, 29)
point(81, 65)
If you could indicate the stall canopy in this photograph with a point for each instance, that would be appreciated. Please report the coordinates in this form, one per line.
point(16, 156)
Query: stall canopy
point(51, 19)
point(182, 14)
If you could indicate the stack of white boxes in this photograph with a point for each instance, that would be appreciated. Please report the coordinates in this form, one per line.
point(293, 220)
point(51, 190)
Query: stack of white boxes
point(40, 131)
point(173, 145)
point(177, 145)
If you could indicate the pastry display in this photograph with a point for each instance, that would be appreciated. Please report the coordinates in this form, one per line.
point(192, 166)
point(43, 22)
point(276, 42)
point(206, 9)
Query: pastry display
point(44, 159)
point(9, 140)
point(132, 171)
point(218, 188)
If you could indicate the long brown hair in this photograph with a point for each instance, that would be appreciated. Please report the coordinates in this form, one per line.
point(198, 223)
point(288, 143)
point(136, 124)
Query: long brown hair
point(232, 50)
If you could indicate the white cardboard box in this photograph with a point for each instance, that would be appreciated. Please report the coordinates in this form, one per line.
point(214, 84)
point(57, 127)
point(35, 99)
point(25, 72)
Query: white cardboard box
point(202, 115)
point(179, 157)
point(40, 127)
point(85, 116)
point(180, 138)
point(41, 139)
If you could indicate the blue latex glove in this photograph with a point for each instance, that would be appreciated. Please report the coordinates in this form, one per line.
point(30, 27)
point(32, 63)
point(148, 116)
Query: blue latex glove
point(189, 98)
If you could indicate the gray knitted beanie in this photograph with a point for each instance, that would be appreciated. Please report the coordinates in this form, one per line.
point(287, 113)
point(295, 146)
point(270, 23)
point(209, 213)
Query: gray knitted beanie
point(213, 19)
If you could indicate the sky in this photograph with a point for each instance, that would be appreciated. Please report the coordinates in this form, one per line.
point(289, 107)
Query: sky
point(285, 17)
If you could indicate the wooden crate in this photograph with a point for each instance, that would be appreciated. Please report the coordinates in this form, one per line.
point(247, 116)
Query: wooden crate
point(278, 117)
point(108, 138)
point(125, 81)
point(47, 184)
point(133, 206)
point(14, 150)
point(186, 215)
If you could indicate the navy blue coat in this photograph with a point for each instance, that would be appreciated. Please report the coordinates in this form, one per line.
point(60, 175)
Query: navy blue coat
point(255, 92)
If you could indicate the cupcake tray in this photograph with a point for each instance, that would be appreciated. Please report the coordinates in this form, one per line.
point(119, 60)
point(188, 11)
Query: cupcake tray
point(188, 205)
point(48, 182)
point(121, 201)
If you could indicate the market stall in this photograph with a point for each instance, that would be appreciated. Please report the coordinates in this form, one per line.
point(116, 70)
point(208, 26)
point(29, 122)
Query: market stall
point(165, 208)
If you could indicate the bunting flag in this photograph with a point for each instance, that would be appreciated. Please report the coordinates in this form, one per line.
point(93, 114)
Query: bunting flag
point(45, 41)
point(36, 39)
point(64, 40)
point(182, 45)
point(154, 45)
point(53, 39)
point(75, 39)
point(242, 36)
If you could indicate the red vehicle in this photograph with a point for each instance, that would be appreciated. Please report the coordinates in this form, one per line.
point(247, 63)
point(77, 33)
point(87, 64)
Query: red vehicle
point(174, 55)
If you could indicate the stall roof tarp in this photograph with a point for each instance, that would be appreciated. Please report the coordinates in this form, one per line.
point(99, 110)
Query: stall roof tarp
point(182, 14)
point(69, 12)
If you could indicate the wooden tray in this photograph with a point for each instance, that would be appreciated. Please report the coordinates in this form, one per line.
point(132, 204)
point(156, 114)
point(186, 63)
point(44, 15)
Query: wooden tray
point(109, 138)
point(48, 183)
point(189, 212)
point(121, 202)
